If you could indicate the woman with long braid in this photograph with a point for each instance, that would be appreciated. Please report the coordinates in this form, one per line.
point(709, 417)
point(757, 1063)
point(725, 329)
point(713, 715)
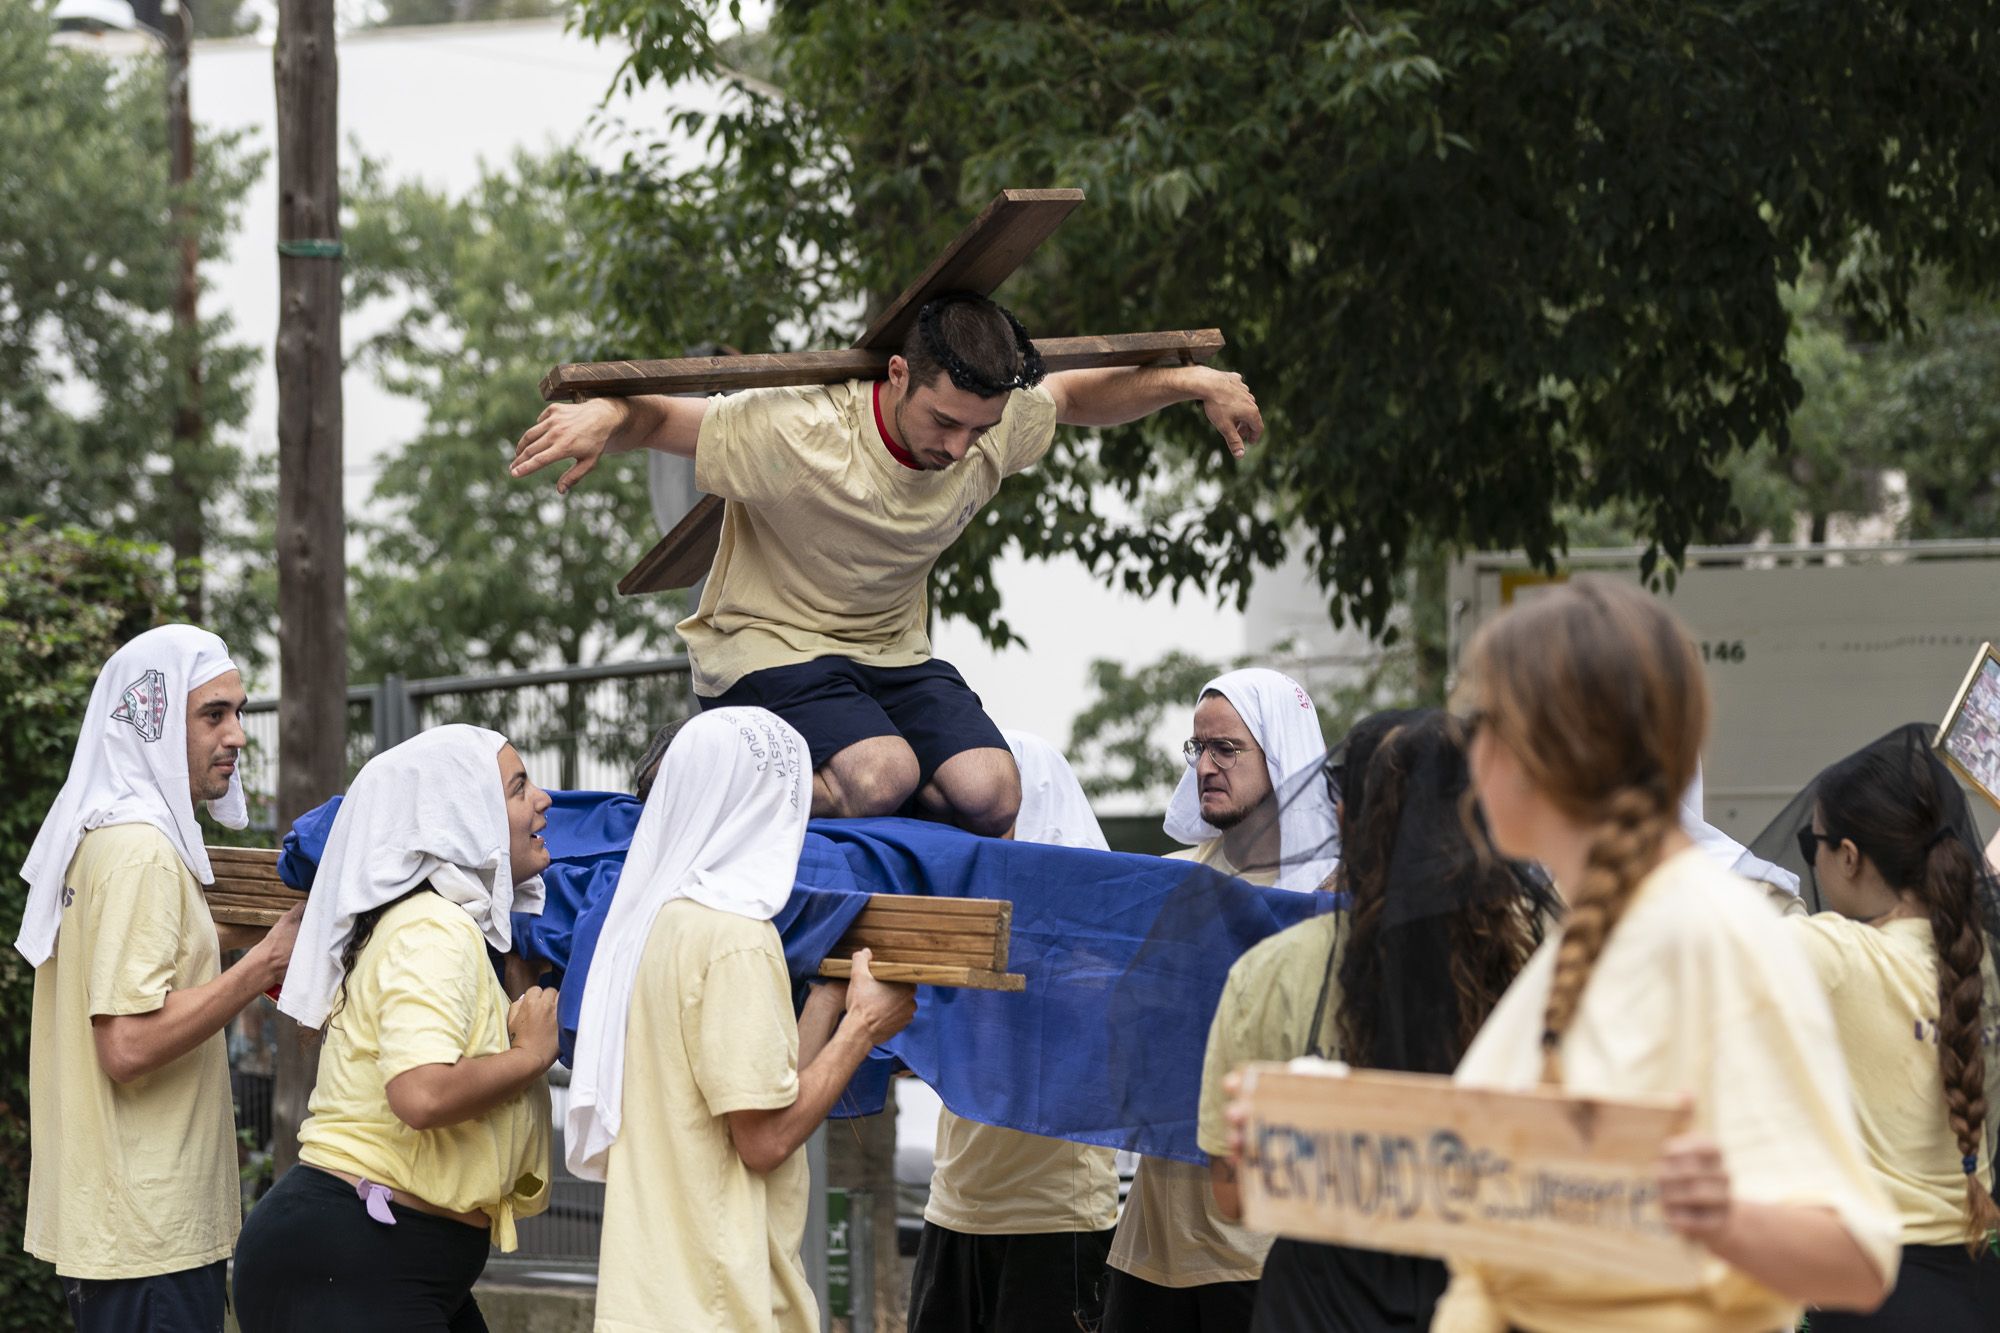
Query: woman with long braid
point(1670, 977)
point(1905, 956)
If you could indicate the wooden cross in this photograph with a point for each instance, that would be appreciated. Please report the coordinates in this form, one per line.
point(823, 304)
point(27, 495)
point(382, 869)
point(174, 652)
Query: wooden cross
point(979, 260)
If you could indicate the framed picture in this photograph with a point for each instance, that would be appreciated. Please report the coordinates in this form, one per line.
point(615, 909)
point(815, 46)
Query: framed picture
point(1969, 739)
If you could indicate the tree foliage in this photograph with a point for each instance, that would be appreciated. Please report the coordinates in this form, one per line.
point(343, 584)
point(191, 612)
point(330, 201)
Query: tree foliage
point(467, 564)
point(91, 372)
point(1485, 264)
point(68, 599)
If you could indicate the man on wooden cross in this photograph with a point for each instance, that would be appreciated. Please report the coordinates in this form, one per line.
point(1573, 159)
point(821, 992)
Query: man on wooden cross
point(840, 499)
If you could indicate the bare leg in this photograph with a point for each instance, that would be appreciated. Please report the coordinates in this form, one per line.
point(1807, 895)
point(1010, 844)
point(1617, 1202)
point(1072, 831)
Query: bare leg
point(871, 777)
point(978, 790)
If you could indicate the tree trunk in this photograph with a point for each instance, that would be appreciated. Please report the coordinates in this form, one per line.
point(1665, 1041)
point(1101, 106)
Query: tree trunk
point(1430, 622)
point(312, 563)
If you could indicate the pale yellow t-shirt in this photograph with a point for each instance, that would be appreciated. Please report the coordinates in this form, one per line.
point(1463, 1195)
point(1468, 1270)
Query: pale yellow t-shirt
point(134, 1179)
point(989, 1181)
point(1171, 1234)
point(1882, 984)
point(1266, 1013)
point(422, 992)
point(826, 539)
point(694, 1239)
point(1701, 989)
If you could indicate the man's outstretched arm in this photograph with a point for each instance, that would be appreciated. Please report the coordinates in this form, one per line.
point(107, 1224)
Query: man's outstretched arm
point(1114, 397)
point(586, 431)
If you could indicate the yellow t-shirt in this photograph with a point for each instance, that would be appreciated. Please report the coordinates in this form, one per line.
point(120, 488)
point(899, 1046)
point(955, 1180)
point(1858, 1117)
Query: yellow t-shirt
point(134, 1179)
point(422, 992)
point(826, 538)
point(989, 1181)
point(1701, 989)
point(694, 1239)
point(1171, 1234)
point(1266, 1010)
point(1882, 984)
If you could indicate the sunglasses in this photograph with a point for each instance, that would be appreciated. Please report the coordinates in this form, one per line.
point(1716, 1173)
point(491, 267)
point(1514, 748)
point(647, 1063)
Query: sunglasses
point(1809, 842)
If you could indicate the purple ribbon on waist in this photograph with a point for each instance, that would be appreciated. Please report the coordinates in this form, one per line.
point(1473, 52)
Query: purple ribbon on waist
point(376, 1197)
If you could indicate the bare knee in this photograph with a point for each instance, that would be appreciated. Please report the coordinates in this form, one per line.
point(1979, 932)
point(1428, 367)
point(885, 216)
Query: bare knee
point(981, 795)
point(875, 782)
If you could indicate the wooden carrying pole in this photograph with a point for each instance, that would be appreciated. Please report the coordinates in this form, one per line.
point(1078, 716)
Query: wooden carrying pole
point(312, 562)
point(928, 941)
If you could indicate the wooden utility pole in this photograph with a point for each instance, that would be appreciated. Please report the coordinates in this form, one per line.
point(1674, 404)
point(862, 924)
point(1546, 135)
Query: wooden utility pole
point(187, 526)
point(312, 529)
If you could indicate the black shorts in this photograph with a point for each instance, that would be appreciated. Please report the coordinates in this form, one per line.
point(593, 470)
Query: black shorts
point(311, 1260)
point(835, 702)
point(1134, 1305)
point(1939, 1289)
point(190, 1301)
point(1045, 1282)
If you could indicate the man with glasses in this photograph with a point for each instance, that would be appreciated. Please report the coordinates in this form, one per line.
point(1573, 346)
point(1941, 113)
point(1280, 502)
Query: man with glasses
point(1254, 804)
point(840, 498)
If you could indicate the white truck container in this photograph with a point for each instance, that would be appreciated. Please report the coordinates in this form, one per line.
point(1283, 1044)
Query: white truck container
point(1812, 651)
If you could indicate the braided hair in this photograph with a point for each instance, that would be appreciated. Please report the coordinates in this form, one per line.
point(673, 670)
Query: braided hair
point(1894, 803)
point(1598, 692)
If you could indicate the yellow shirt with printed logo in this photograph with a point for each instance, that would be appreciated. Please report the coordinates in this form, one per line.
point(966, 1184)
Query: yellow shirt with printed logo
point(826, 539)
point(422, 992)
point(1882, 984)
point(128, 1179)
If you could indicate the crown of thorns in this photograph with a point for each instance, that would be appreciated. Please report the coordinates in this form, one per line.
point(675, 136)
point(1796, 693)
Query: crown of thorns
point(962, 373)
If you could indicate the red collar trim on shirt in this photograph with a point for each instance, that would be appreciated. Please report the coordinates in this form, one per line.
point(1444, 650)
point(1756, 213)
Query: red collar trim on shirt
point(896, 451)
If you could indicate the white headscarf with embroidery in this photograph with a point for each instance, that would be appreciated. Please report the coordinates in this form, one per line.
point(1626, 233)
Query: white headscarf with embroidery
point(130, 767)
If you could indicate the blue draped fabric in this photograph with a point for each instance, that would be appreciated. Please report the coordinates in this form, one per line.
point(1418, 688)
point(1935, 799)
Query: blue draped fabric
point(1125, 957)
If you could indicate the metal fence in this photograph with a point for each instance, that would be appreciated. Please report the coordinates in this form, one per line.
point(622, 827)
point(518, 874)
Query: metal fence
point(577, 728)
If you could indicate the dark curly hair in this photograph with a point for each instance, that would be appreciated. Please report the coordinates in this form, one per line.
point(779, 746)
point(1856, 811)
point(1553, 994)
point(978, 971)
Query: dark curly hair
point(1438, 925)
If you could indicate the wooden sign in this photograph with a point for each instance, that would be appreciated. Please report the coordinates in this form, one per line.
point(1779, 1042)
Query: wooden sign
point(1414, 1163)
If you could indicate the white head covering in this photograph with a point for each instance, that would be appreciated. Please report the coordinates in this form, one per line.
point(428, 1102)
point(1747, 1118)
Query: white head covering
point(130, 767)
point(430, 809)
point(723, 825)
point(1281, 719)
point(1053, 806)
point(1724, 850)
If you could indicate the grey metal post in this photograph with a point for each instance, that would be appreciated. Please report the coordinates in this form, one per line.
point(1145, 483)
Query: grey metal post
point(813, 1253)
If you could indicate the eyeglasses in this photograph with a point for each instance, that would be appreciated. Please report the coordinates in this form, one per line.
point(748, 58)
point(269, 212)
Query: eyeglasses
point(1224, 753)
point(1809, 843)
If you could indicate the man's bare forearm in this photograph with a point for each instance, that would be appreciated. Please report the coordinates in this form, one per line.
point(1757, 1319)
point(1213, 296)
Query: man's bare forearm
point(130, 1046)
point(778, 1134)
point(1112, 397)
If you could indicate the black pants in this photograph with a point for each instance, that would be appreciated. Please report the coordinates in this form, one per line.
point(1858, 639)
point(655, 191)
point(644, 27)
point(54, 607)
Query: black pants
point(190, 1301)
point(1038, 1283)
point(1134, 1305)
point(1312, 1288)
point(1939, 1289)
point(311, 1260)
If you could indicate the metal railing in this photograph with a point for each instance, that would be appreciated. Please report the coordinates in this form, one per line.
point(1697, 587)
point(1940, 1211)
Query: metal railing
point(576, 727)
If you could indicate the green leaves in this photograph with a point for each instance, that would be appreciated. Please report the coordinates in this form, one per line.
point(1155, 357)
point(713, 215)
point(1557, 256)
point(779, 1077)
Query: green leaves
point(68, 599)
point(469, 564)
point(1486, 264)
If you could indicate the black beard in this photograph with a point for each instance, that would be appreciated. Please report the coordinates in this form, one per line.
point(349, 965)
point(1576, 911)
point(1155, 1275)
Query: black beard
point(1228, 819)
